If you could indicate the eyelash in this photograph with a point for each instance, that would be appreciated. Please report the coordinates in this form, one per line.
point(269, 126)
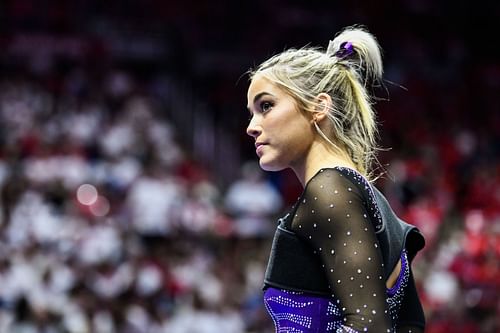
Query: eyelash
point(263, 104)
point(261, 108)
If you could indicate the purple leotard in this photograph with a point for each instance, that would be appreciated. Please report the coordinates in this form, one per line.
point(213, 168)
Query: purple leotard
point(338, 218)
point(298, 312)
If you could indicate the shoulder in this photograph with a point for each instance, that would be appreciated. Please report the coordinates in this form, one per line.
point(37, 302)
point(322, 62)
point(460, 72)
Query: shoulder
point(331, 181)
point(329, 193)
point(331, 202)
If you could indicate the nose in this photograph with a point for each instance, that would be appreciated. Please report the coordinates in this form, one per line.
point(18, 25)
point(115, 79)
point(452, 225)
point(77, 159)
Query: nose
point(253, 128)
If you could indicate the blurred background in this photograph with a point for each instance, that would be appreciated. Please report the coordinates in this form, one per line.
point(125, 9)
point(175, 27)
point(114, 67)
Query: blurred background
point(130, 200)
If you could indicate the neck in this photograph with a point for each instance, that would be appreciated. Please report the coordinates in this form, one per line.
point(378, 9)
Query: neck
point(321, 155)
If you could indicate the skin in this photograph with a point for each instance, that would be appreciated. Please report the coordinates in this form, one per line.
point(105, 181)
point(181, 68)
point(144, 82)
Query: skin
point(285, 136)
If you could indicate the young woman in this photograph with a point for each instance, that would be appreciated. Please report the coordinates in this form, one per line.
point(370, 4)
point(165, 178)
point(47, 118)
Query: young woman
point(340, 260)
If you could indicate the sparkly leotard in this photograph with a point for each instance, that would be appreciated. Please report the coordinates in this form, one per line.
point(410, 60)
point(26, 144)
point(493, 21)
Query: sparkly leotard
point(337, 217)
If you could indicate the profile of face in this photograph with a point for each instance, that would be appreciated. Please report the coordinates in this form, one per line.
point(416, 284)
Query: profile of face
point(283, 134)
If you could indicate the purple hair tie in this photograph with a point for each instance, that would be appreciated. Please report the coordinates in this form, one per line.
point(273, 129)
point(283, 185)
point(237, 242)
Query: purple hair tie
point(345, 50)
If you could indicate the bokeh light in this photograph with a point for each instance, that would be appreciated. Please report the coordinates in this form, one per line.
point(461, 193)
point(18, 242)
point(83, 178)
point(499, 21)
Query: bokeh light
point(100, 207)
point(86, 194)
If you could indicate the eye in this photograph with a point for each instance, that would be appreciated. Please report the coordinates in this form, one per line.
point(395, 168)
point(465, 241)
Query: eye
point(266, 106)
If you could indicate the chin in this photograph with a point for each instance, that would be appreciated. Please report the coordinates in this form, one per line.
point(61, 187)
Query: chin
point(270, 166)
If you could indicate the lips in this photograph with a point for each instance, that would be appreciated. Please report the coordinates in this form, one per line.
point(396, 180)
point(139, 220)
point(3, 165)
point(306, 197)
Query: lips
point(258, 144)
point(258, 147)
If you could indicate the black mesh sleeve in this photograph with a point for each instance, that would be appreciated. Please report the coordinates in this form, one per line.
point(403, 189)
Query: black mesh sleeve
point(332, 218)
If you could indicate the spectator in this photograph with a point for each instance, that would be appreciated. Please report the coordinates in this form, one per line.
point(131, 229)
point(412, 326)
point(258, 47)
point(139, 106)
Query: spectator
point(253, 202)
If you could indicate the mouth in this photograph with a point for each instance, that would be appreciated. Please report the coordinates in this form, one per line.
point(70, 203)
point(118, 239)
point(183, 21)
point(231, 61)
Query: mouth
point(258, 144)
point(258, 147)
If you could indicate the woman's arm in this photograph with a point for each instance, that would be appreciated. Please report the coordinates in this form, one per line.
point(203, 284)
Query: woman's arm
point(333, 219)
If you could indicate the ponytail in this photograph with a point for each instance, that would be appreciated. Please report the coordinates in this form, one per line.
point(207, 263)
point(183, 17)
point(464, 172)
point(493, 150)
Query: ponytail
point(346, 71)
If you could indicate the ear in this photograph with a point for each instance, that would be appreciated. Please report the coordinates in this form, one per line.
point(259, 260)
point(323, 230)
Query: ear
point(324, 104)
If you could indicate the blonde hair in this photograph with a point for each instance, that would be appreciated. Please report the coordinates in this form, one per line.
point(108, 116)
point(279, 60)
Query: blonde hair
point(350, 66)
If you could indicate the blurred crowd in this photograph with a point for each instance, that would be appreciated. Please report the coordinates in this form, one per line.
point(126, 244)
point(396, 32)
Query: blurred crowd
point(115, 218)
point(107, 226)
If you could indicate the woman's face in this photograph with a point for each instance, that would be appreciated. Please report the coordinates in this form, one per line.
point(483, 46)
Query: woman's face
point(283, 134)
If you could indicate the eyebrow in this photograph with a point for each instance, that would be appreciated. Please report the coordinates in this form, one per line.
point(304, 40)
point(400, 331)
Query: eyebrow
point(258, 96)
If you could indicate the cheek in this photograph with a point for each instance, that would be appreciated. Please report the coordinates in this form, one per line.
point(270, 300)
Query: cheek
point(298, 132)
point(297, 147)
point(288, 130)
point(294, 140)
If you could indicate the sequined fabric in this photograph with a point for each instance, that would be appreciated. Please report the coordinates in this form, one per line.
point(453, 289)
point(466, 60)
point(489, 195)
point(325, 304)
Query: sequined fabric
point(305, 313)
point(337, 216)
